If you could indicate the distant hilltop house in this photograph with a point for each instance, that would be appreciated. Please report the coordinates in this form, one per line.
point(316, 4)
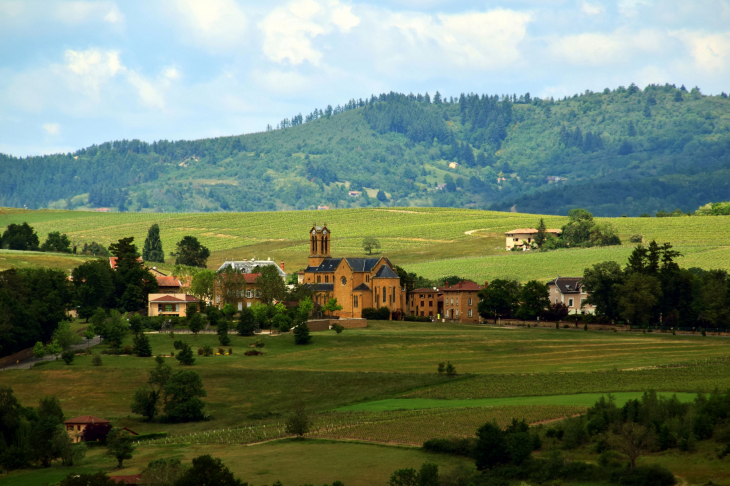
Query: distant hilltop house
point(555, 179)
point(453, 165)
point(356, 283)
point(521, 238)
point(322, 208)
point(571, 292)
point(354, 193)
point(87, 428)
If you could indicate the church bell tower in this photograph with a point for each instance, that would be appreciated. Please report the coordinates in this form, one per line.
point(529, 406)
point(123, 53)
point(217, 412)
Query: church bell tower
point(319, 244)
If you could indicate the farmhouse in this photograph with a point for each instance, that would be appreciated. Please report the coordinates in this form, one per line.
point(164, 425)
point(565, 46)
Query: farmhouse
point(239, 289)
point(521, 238)
point(460, 302)
point(356, 283)
point(423, 302)
point(87, 428)
point(169, 305)
point(570, 291)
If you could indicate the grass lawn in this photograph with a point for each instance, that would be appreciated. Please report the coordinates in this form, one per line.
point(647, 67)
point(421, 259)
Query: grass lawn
point(585, 399)
point(290, 461)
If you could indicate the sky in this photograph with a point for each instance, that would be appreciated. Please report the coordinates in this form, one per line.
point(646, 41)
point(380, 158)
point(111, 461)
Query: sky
point(77, 73)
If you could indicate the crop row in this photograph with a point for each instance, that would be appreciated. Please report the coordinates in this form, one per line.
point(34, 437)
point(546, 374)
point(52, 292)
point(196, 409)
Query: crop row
point(402, 426)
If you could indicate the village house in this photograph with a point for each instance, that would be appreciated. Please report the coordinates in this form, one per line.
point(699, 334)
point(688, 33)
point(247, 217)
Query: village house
point(243, 286)
point(423, 302)
point(523, 237)
point(571, 292)
point(87, 428)
point(169, 305)
point(356, 283)
point(460, 302)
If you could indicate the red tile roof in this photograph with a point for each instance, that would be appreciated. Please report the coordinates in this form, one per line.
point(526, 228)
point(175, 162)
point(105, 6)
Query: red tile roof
point(132, 479)
point(86, 419)
point(113, 262)
point(422, 290)
point(168, 282)
point(170, 298)
point(461, 287)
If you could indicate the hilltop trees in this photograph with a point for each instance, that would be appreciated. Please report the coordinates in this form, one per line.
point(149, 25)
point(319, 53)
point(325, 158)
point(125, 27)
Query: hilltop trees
point(19, 237)
point(152, 249)
point(191, 253)
point(57, 242)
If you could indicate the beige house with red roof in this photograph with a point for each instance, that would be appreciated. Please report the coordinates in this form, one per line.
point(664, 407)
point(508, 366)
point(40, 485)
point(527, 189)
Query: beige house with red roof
point(172, 305)
point(523, 237)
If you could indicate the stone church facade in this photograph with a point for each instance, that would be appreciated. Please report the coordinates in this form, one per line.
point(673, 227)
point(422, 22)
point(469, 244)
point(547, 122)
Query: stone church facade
point(356, 283)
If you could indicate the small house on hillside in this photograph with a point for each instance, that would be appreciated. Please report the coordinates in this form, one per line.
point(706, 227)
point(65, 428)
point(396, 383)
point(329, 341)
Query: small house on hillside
point(571, 292)
point(87, 428)
point(523, 237)
point(169, 305)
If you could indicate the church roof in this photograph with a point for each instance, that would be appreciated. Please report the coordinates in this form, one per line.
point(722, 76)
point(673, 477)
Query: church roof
point(328, 265)
point(362, 264)
point(362, 287)
point(385, 272)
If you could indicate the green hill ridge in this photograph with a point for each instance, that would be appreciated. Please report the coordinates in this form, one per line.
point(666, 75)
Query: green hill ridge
point(624, 151)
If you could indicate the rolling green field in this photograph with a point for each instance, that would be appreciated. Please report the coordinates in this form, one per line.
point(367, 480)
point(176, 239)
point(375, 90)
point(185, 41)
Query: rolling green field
point(434, 242)
point(377, 385)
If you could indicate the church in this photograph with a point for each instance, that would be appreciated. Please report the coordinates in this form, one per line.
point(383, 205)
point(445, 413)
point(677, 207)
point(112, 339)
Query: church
point(356, 283)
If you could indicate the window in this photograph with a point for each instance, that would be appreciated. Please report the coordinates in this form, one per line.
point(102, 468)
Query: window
point(570, 302)
point(456, 312)
point(421, 296)
point(343, 280)
point(326, 279)
point(248, 304)
point(385, 294)
point(430, 303)
point(457, 301)
point(422, 304)
point(421, 313)
point(240, 306)
point(469, 312)
point(367, 278)
point(319, 279)
point(169, 308)
point(354, 301)
point(257, 293)
point(469, 303)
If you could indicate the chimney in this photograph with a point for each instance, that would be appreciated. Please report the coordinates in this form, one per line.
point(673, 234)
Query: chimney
point(447, 284)
point(486, 284)
point(282, 265)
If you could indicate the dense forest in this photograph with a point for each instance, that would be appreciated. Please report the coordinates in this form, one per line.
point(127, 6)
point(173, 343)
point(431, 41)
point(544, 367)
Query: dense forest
point(624, 151)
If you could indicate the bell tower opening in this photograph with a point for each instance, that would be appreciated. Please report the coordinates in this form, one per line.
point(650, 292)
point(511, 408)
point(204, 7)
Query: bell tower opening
point(319, 244)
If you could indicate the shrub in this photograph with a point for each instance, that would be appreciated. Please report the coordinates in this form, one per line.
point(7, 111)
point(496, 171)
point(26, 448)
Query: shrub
point(441, 368)
point(653, 475)
point(338, 328)
point(636, 238)
point(207, 350)
point(382, 314)
point(566, 326)
point(200, 351)
point(230, 350)
point(301, 334)
point(450, 369)
point(416, 318)
point(221, 351)
point(455, 446)
point(96, 360)
point(68, 356)
point(253, 352)
point(259, 343)
point(127, 349)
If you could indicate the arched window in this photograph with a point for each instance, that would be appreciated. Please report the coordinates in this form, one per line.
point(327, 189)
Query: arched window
point(385, 294)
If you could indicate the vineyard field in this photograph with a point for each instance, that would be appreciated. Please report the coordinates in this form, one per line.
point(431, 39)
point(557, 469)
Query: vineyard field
point(685, 378)
point(427, 239)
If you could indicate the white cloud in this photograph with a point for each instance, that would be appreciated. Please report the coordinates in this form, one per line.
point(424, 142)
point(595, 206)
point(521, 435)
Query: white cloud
point(52, 128)
point(592, 8)
point(77, 12)
point(93, 68)
point(711, 52)
point(595, 49)
point(214, 24)
point(289, 30)
point(171, 73)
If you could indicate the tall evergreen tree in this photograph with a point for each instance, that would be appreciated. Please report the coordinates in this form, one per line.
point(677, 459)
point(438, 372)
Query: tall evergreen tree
point(152, 249)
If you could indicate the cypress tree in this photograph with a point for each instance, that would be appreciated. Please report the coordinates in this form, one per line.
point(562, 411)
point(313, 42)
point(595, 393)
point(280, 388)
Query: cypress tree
point(152, 250)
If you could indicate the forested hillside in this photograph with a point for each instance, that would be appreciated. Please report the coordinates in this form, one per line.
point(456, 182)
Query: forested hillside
point(627, 151)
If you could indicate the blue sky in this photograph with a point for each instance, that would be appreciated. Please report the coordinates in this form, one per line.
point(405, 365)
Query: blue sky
point(75, 73)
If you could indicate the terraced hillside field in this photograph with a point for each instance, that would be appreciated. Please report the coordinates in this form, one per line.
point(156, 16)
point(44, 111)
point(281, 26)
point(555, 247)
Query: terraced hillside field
point(424, 240)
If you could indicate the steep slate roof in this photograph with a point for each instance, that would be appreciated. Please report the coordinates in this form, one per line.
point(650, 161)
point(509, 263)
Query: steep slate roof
point(361, 287)
point(385, 272)
point(328, 265)
point(362, 264)
point(568, 285)
point(248, 266)
point(86, 419)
